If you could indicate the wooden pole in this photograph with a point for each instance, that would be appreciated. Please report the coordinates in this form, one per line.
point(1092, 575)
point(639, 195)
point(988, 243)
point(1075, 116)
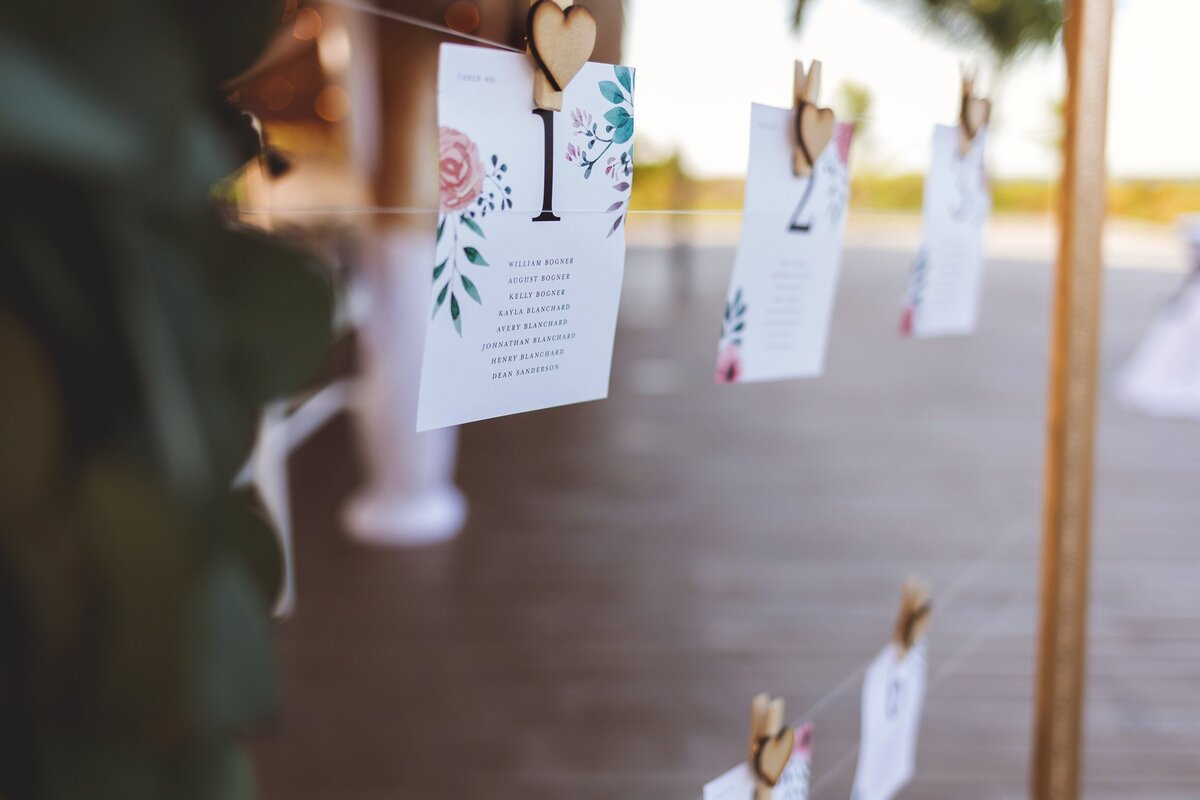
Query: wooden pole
point(1066, 546)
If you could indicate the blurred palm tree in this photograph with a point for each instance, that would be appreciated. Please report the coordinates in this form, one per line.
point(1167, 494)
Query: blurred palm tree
point(1007, 28)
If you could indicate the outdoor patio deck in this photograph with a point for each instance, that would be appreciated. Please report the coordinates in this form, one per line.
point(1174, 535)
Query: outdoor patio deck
point(635, 570)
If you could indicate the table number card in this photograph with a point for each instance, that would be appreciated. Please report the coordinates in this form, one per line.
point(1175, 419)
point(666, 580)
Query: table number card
point(892, 700)
point(739, 783)
point(530, 238)
point(780, 300)
point(944, 284)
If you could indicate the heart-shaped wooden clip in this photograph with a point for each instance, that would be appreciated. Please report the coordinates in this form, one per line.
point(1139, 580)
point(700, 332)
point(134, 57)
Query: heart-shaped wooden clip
point(913, 617)
point(973, 114)
point(561, 39)
point(814, 125)
point(771, 743)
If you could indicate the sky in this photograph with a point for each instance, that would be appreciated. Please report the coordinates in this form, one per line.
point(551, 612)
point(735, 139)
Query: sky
point(699, 66)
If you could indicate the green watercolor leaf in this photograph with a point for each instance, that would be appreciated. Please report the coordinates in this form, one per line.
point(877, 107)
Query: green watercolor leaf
point(437, 271)
point(625, 76)
point(473, 225)
point(611, 92)
point(441, 229)
point(469, 285)
point(474, 257)
point(624, 131)
point(441, 298)
point(455, 314)
point(617, 116)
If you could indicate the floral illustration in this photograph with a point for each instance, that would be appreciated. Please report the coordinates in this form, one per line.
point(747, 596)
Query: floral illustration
point(844, 136)
point(597, 146)
point(914, 293)
point(970, 201)
point(729, 352)
point(836, 171)
point(468, 191)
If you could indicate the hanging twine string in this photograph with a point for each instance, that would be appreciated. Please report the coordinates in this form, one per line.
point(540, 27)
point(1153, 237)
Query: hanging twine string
point(383, 210)
point(944, 597)
point(948, 667)
point(417, 22)
point(967, 578)
point(984, 564)
point(368, 8)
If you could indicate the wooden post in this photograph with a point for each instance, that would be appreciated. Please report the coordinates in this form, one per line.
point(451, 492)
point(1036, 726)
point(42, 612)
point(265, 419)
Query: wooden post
point(1066, 547)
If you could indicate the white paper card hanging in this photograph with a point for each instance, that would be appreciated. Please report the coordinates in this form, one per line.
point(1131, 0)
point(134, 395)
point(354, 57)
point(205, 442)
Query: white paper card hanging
point(946, 279)
point(780, 301)
point(523, 312)
point(892, 700)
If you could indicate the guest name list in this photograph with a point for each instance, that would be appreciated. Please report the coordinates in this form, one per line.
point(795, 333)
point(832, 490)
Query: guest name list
point(534, 325)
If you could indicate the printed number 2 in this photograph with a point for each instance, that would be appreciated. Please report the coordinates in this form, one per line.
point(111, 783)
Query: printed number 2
point(547, 214)
point(796, 226)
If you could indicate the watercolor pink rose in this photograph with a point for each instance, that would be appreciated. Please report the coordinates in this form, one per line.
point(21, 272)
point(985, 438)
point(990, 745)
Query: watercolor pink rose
point(729, 364)
point(470, 190)
point(460, 171)
point(844, 135)
point(729, 349)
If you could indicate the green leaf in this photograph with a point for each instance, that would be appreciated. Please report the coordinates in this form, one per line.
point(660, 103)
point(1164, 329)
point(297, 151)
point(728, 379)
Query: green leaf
point(54, 118)
point(474, 257)
point(624, 131)
point(625, 76)
point(441, 228)
point(617, 116)
point(232, 668)
point(455, 314)
point(469, 285)
point(441, 298)
point(611, 92)
point(473, 225)
point(437, 271)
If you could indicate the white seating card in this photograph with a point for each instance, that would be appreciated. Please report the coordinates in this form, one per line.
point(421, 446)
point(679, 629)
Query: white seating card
point(780, 299)
point(892, 700)
point(946, 279)
point(530, 238)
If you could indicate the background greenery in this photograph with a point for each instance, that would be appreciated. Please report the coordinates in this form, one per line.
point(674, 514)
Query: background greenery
point(139, 334)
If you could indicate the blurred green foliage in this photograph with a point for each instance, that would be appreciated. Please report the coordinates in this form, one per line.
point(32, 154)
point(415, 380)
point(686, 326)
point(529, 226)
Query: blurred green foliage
point(1006, 27)
point(139, 334)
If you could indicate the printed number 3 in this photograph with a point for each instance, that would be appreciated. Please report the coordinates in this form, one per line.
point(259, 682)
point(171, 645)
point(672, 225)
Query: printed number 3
point(547, 214)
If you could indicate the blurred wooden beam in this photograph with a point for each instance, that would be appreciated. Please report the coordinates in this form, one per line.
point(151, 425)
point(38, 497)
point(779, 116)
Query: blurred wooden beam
point(1066, 545)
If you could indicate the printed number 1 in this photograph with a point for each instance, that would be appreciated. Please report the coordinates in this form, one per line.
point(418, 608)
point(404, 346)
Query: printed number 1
point(796, 226)
point(547, 214)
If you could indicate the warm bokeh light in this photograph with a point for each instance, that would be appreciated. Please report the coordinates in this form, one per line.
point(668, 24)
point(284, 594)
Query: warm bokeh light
point(333, 104)
point(308, 24)
point(463, 16)
point(333, 48)
point(277, 93)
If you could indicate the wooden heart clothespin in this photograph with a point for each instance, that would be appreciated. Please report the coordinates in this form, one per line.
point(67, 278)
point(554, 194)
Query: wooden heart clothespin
point(974, 113)
point(771, 743)
point(813, 124)
point(561, 37)
point(915, 608)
